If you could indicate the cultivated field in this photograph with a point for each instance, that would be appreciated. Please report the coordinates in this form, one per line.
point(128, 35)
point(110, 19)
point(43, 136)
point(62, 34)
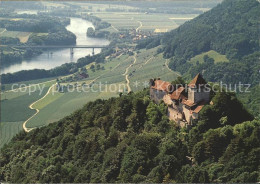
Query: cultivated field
point(120, 75)
point(143, 21)
point(106, 83)
point(8, 130)
point(26, 83)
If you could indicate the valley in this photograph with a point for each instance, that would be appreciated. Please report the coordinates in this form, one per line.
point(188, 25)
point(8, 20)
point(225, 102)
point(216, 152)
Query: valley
point(57, 105)
point(172, 97)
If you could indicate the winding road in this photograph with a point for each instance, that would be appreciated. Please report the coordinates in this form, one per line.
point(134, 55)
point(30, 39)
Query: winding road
point(141, 25)
point(126, 75)
point(37, 110)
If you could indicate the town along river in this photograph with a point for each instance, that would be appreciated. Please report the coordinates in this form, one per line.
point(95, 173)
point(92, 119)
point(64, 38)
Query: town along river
point(48, 60)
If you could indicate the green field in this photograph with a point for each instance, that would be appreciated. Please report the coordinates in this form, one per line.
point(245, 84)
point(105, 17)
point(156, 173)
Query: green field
point(8, 131)
point(23, 36)
point(212, 54)
point(101, 7)
point(128, 20)
point(55, 106)
point(16, 108)
point(149, 65)
point(16, 85)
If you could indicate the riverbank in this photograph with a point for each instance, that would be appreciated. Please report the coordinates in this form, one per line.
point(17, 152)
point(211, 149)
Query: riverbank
point(51, 59)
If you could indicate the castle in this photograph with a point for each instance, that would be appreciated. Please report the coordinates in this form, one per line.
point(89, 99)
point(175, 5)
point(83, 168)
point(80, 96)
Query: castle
point(184, 103)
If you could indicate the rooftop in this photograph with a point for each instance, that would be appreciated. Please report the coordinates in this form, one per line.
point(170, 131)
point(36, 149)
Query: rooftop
point(178, 93)
point(162, 85)
point(198, 80)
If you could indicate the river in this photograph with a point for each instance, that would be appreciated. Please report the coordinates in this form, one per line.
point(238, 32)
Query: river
point(77, 26)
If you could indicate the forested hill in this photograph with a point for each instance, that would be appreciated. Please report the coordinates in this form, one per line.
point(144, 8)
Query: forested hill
point(231, 29)
point(130, 139)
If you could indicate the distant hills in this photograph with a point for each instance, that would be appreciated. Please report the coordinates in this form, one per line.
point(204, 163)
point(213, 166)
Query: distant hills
point(130, 139)
point(231, 29)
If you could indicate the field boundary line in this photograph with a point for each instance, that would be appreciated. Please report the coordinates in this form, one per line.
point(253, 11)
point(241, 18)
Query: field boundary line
point(37, 110)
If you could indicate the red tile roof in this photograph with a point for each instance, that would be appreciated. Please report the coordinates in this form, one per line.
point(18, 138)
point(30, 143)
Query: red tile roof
point(198, 80)
point(162, 85)
point(188, 103)
point(199, 107)
point(177, 94)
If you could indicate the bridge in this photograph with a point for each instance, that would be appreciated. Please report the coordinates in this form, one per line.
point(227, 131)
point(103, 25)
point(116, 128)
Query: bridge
point(71, 47)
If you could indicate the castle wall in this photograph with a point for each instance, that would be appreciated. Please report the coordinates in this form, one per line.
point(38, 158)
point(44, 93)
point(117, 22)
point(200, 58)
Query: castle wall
point(174, 114)
point(191, 94)
point(187, 115)
point(197, 96)
point(157, 95)
point(202, 96)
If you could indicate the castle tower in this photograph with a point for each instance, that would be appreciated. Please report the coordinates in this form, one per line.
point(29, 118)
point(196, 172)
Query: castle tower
point(198, 90)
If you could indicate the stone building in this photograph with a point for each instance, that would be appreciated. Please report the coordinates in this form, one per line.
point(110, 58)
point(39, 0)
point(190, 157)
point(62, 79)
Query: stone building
point(184, 103)
point(158, 89)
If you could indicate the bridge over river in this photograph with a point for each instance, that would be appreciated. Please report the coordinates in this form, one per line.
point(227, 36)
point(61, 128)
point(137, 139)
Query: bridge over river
point(71, 47)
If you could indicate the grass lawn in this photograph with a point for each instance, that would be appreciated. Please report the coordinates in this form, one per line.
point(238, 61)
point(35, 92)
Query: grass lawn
point(212, 54)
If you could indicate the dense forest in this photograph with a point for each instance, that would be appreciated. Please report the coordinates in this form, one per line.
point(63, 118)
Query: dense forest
point(130, 139)
point(231, 29)
point(99, 25)
point(97, 22)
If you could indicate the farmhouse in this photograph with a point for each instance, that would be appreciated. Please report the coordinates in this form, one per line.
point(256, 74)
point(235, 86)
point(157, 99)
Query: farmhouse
point(184, 103)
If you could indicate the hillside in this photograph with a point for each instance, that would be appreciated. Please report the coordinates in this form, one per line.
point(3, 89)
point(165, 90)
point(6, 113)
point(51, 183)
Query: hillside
point(130, 139)
point(231, 29)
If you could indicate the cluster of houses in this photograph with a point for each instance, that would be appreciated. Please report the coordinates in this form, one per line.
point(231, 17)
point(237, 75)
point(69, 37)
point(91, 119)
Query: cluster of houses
point(184, 103)
point(135, 35)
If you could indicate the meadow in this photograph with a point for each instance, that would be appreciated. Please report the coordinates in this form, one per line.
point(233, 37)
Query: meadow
point(212, 54)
